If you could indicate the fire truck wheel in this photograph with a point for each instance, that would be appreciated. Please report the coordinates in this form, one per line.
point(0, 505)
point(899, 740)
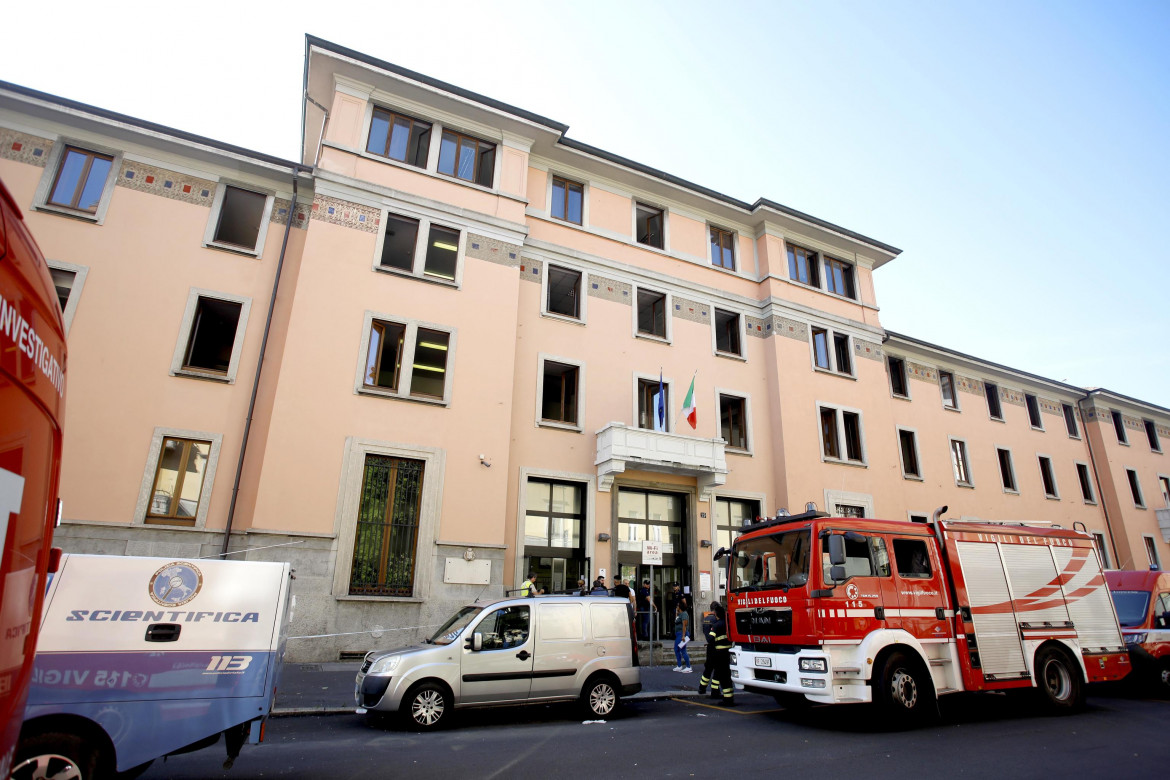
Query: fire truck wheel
point(903, 690)
point(1059, 681)
point(55, 756)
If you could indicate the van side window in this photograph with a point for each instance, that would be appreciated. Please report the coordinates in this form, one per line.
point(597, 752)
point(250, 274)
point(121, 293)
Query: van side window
point(504, 628)
point(1162, 611)
point(912, 558)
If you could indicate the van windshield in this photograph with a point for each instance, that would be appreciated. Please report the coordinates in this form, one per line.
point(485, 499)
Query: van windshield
point(778, 561)
point(1131, 606)
point(454, 626)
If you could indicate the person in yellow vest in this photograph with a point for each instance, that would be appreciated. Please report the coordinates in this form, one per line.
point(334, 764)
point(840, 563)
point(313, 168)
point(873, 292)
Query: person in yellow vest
point(529, 586)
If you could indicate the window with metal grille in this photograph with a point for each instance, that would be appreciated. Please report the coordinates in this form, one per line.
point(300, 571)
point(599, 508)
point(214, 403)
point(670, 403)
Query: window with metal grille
point(386, 541)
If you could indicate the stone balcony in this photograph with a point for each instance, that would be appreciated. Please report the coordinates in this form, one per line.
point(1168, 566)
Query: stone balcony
point(620, 446)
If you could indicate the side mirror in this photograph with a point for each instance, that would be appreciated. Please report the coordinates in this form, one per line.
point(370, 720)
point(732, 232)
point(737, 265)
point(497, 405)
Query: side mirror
point(837, 573)
point(476, 642)
point(720, 553)
point(837, 550)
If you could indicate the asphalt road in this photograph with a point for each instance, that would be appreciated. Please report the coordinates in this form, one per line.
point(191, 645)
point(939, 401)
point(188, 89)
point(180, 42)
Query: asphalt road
point(978, 736)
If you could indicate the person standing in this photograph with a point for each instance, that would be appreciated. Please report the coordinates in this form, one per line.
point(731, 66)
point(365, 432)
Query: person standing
point(599, 588)
point(622, 590)
point(717, 668)
point(644, 609)
point(682, 635)
point(529, 586)
point(581, 589)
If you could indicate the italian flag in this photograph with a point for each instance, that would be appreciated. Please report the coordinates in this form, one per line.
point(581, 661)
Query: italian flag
point(690, 411)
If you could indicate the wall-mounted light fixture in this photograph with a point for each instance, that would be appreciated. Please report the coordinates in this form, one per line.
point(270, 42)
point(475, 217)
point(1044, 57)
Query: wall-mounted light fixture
point(603, 537)
point(705, 543)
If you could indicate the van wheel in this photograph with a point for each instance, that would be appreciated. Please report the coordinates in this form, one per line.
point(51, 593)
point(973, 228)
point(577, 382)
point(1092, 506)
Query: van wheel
point(1059, 681)
point(903, 691)
point(55, 756)
point(600, 697)
point(1163, 678)
point(427, 707)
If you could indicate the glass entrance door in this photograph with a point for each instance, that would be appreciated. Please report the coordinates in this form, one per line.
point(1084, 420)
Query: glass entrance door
point(655, 516)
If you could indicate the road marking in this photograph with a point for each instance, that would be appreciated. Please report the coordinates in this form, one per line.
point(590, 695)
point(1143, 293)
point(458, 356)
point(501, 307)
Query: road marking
point(725, 708)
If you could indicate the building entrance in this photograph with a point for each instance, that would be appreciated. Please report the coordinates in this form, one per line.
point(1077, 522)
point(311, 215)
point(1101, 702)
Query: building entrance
point(655, 516)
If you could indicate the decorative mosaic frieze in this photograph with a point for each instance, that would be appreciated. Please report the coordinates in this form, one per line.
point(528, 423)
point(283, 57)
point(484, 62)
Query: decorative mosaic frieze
point(351, 215)
point(1013, 397)
point(1097, 414)
point(793, 329)
point(867, 349)
point(1162, 430)
point(609, 290)
point(530, 270)
point(167, 184)
point(754, 326)
point(921, 372)
point(1050, 407)
point(967, 384)
point(492, 250)
point(24, 148)
point(689, 310)
point(280, 208)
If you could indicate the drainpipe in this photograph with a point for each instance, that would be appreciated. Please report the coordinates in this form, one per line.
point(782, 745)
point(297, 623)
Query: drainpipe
point(1097, 481)
point(227, 531)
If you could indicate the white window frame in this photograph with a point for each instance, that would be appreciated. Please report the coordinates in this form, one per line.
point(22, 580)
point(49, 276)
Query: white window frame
point(917, 454)
point(583, 319)
point(217, 207)
point(543, 358)
point(1040, 459)
point(634, 203)
point(669, 303)
point(1039, 411)
point(1157, 438)
point(1123, 438)
point(840, 421)
point(998, 397)
point(954, 390)
point(668, 385)
point(188, 320)
point(1102, 546)
point(970, 483)
point(832, 335)
point(734, 248)
point(749, 449)
point(80, 272)
point(548, 187)
point(1011, 467)
point(1163, 481)
point(1152, 551)
point(410, 341)
point(49, 175)
point(889, 376)
point(154, 452)
point(856, 298)
point(741, 326)
point(430, 164)
point(1092, 497)
point(349, 502)
point(1073, 409)
point(588, 484)
point(419, 260)
point(834, 497)
point(1139, 501)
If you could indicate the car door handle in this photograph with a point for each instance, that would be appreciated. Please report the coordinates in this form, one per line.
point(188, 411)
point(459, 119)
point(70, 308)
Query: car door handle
point(524, 655)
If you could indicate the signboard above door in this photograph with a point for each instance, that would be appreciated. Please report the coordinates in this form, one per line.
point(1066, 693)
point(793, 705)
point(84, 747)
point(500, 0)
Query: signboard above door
point(651, 553)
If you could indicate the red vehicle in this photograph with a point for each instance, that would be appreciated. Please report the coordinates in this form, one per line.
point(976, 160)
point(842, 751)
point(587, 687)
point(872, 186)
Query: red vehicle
point(32, 391)
point(1142, 599)
point(832, 610)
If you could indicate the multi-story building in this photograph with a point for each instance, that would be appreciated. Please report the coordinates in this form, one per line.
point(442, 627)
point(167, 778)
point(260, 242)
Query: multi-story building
point(451, 345)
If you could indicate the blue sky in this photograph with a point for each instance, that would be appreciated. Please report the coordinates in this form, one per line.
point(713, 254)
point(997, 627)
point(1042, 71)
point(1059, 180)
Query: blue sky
point(1015, 151)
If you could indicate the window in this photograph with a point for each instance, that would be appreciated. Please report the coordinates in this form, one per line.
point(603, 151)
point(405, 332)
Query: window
point(730, 516)
point(727, 335)
point(438, 259)
point(864, 557)
point(802, 266)
point(1152, 435)
point(1102, 549)
point(211, 336)
point(178, 481)
point(563, 292)
point(554, 516)
point(946, 383)
point(239, 219)
point(1007, 472)
point(652, 308)
point(649, 225)
point(1070, 421)
point(994, 408)
point(959, 463)
point(839, 278)
point(831, 351)
point(505, 628)
point(1135, 488)
point(558, 397)
point(723, 248)
point(68, 280)
point(399, 243)
point(1164, 483)
point(568, 200)
point(908, 443)
point(405, 359)
point(81, 180)
point(841, 438)
point(399, 137)
point(912, 558)
point(385, 549)
point(1086, 483)
point(1033, 411)
point(653, 405)
point(896, 367)
point(467, 158)
point(733, 421)
point(442, 256)
point(1119, 427)
point(1047, 477)
point(1152, 553)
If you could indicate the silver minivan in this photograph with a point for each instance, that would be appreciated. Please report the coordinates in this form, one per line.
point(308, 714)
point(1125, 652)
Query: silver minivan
point(512, 651)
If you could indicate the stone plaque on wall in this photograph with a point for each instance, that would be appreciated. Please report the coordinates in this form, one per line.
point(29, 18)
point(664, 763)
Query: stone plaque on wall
point(458, 571)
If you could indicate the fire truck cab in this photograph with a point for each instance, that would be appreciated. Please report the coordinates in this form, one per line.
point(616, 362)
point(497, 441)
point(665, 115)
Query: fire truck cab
point(833, 610)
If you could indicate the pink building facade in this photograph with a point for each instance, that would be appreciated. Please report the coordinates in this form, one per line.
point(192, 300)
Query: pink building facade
point(451, 345)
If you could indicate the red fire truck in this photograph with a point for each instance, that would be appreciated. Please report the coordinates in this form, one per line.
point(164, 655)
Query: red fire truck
point(32, 389)
point(832, 610)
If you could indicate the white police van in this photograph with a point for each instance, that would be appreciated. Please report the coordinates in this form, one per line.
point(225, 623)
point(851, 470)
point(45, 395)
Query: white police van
point(140, 658)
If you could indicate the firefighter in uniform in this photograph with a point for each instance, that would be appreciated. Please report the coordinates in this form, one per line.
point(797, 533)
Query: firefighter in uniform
point(717, 668)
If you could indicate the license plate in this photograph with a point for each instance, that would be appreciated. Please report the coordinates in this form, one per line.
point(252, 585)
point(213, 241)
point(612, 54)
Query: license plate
point(764, 662)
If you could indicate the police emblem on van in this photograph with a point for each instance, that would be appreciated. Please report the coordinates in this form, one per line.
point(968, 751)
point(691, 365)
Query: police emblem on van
point(175, 584)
